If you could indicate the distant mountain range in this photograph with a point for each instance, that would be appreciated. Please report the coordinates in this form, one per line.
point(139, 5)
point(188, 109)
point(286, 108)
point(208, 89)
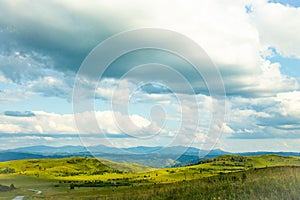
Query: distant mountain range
point(150, 156)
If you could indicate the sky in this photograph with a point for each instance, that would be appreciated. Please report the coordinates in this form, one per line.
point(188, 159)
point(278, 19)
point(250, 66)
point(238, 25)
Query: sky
point(253, 44)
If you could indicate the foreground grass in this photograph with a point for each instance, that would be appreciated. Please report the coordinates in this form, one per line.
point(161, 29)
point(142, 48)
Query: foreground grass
point(266, 183)
point(269, 183)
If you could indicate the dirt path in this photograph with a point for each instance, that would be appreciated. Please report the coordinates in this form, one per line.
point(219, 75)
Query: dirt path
point(18, 198)
point(36, 191)
point(22, 197)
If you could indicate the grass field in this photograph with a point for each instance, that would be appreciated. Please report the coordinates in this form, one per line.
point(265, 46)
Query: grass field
point(225, 177)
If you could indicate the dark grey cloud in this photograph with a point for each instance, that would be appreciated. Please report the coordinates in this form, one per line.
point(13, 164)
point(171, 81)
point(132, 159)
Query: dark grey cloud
point(19, 114)
point(137, 65)
point(63, 34)
point(153, 88)
point(21, 67)
point(51, 28)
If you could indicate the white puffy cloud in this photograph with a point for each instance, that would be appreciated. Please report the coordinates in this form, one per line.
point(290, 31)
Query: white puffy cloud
point(10, 128)
point(278, 26)
point(52, 123)
point(289, 103)
point(265, 117)
point(8, 96)
point(261, 84)
point(226, 129)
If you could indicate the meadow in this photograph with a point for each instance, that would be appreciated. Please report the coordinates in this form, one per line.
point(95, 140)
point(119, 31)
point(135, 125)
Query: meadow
point(224, 177)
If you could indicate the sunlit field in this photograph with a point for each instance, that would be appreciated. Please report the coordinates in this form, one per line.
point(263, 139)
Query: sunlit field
point(225, 177)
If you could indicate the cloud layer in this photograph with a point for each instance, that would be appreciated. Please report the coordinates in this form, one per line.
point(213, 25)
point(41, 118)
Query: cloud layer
point(42, 46)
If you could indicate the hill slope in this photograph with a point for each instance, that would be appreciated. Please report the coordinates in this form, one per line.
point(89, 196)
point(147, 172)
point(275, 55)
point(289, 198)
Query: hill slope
point(79, 168)
point(65, 167)
point(224, 177)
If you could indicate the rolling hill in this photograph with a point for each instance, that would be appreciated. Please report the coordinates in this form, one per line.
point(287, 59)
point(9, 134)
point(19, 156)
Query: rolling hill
point(157, 157)
point(90, 178)
point(77, 168)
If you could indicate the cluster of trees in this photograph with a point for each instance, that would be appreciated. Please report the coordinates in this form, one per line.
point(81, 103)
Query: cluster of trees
point(113, 182)
point(7, 170)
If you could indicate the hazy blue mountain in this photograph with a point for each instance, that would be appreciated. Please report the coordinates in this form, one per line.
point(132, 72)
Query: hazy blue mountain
point(104, 149)
point(267, 152)
point(50, 150)
point(8, 155)
point(142, 149)
point(152, 156)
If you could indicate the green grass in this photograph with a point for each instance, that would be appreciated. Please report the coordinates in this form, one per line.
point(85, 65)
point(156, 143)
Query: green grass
point(127, 167)
point(219, 177)
point(77, 169)
point(23, 183)
point(265, 183)
point(268, 183)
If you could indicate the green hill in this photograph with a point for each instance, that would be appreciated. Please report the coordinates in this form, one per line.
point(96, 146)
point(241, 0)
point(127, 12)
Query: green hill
point(127, 167)
point(93, 169)
point(90, 178)
point(65, 167)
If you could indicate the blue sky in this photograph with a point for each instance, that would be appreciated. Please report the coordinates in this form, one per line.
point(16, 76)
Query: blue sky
point(254, 45)
point(292, 3)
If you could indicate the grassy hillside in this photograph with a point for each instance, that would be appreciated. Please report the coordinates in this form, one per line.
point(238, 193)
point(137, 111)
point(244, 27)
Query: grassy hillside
point(265, 183)
point(127, 167)
point(89, 176)
point(274, 183)
point(77, 169)
point(65, 167)
point(56, 167)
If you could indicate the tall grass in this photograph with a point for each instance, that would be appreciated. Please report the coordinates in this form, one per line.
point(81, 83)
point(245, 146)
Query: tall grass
point(269, 183)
